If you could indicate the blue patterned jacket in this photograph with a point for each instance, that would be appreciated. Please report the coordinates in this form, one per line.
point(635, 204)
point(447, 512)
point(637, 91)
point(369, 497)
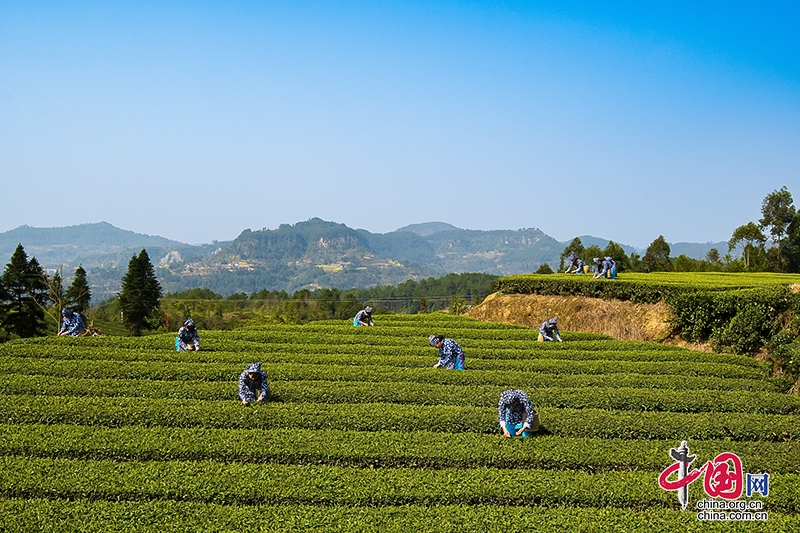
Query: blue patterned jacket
point(72, 325)
point(513, 406)
point(248, 387)
point(449, 355)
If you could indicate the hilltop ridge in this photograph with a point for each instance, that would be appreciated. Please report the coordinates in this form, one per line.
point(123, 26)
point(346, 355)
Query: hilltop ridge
point(309, 254)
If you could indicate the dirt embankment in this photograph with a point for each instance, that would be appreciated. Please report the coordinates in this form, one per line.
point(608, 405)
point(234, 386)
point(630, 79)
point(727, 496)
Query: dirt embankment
point(621, 320)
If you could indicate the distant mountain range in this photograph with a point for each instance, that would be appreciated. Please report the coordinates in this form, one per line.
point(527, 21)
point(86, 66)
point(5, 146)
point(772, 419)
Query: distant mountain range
point(309, 254)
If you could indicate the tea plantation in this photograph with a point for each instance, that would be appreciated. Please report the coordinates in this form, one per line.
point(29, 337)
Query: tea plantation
point(124, 434)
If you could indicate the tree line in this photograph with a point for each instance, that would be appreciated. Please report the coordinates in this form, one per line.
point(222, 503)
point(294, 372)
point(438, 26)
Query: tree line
point(211, 310)
point(31, 300)
point(771, 245)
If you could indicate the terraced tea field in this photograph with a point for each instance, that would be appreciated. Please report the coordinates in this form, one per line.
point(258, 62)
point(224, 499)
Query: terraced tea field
point(124, 434)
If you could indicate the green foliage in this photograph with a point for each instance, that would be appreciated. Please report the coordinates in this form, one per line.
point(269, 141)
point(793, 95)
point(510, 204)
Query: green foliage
point(544, 268)
point(591, 252)
point(194, 294)
point(56, 298)
point(78, 294)
point(140, 295)
point(458, 306)
point(788, 356)
point(573, 248)
point(641, 287)
point(777, 213)
point(167, 516)
point(347, 448)
point(294, 389)
point(26, 291)
point(745, 333)
point(405, 297)
point(739, 321)
point(617, 253)
point(566, 285)
point(751, 239)
point(656, 257)
point(684, 264)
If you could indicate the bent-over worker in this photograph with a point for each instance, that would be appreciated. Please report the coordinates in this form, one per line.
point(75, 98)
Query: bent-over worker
point(188, 338)
point(451, 356)
point(71, 323)
point(363, 317)
point(606, 268)
point(549, 331)
point(253, 385)
point(516, 415)
point(575, 263)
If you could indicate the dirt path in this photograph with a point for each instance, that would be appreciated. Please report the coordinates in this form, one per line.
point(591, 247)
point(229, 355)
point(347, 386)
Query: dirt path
point(621, 320)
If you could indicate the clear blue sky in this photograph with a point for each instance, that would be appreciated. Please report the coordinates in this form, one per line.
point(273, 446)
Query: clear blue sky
point(196, 120)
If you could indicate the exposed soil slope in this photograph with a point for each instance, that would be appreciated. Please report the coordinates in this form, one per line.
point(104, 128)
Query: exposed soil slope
point(621, 320)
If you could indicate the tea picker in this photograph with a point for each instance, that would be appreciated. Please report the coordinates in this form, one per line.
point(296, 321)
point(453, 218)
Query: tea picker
point(253, 385)
point(363, 317)
point(606, 268)
point(549, 331)
point(71, 323)
point(516, 415)
point(451, 356)
point(188, 338)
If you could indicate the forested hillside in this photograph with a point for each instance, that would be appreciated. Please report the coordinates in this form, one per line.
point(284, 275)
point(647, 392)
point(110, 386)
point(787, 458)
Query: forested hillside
point(310, 254)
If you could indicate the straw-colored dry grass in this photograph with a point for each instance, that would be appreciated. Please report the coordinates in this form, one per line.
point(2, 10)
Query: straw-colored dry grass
point(621, 320)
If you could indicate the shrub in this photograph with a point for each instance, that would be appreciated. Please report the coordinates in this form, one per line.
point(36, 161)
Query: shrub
point(788, 356)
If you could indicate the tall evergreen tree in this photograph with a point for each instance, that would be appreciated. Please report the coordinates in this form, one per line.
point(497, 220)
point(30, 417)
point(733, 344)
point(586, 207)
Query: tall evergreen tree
point(78, 294)
point(26, 285)
point(140, 294)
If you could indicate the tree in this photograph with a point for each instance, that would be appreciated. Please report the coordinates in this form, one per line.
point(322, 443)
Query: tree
point(575, 247)
point(617, 253)
point(348, 307)
point(591, 252)
point(55, 296)
point(713, 256)
point(78, 294)
point(635, 260)
point(791, 245)
point(683, 263)
point(754, 240)
point(140, 294)
point(777, 212)
point(4, 297)
point(544, 268)
point(328, 302)
point(656, 257)
point(25, 284)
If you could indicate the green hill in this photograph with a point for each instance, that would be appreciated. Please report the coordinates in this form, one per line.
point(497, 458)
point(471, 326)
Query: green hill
point(310, 254)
